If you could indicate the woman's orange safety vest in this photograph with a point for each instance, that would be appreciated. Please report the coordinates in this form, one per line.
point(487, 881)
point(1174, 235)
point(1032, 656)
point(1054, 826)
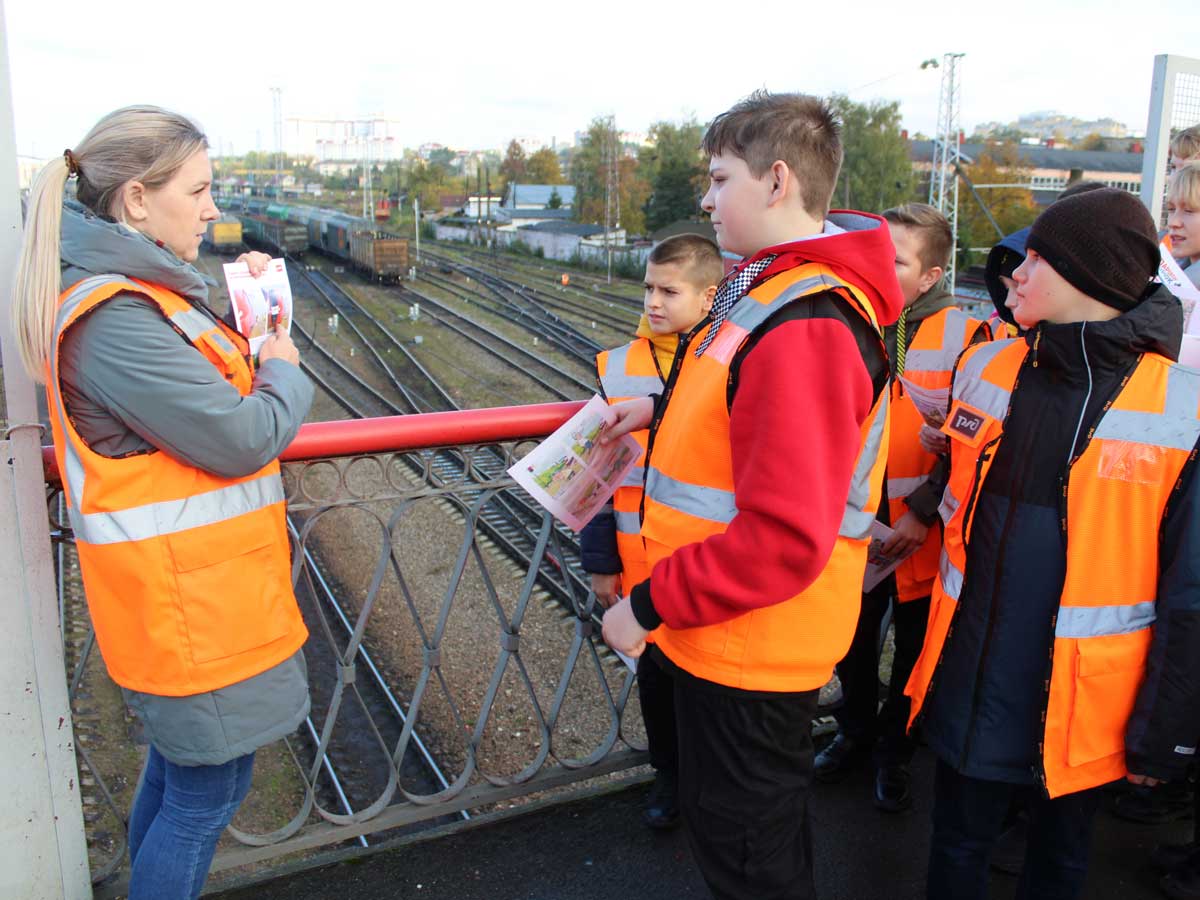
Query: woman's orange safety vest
point(626, 373)
point(792, 645)
point(187, 574)
point(1115, 496)
point(928, 364)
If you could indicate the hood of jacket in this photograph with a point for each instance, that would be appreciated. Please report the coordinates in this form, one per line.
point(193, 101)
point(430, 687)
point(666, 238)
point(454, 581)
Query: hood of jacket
point(92, 245)
point(862, 254)
point(1002, 259)
point(1153, 326)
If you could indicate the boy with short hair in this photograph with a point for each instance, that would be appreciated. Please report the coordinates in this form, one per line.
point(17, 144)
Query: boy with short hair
point(764, 473)
point(1060, 650)
point(682, 274)
point(923, 345)
point(1185, 147)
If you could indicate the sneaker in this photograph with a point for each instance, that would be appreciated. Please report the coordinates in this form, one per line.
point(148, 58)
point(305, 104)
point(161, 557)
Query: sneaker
point(1170, 802)
point(1008, 855)
point(892, 792)
point(661, 809)
point(842, 756)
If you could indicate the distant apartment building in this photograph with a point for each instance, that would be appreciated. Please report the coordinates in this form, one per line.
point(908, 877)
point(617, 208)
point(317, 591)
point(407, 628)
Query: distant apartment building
point(371, 137)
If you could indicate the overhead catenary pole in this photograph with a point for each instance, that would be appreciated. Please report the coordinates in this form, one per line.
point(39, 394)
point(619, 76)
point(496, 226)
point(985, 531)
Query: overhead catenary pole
point(417, 224)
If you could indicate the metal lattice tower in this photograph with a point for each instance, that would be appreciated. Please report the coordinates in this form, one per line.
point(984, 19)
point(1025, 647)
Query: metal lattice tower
point(943, 177)
point(277, 116)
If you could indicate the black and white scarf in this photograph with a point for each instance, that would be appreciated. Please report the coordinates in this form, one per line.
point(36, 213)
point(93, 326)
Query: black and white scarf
point(732, 289)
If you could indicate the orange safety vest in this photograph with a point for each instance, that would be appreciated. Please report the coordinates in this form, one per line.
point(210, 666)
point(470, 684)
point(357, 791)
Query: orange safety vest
point(928, 363)
point(792, 645)
point(625, 373)
point(187, 574)
point(1116, 493)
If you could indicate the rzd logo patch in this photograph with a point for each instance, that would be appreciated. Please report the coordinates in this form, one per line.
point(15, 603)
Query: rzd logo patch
point(966, 424)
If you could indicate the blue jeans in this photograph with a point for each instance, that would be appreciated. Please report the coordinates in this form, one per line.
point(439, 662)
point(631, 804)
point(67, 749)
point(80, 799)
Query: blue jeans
point(178, 816)
point(968, 817)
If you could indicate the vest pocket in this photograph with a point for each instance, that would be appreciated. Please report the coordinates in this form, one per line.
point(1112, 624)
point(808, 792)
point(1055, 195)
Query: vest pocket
point(234, 585)
point(1108, 673)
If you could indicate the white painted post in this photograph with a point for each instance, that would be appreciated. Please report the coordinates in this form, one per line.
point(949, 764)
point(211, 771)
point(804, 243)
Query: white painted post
point(1158, 138)
point(43, 849)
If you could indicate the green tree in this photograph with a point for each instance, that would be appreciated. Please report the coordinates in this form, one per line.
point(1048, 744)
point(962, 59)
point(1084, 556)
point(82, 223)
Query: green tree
point(514, 166)
point(1012, 208)
point(555, 201)
point(590, 166)
point(877, 172)
point(542, 167)
point(1093, 141)
point(676, 171)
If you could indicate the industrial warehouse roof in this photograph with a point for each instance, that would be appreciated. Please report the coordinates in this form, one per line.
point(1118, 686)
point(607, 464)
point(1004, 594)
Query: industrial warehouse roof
point(576, 228)
point(1046, 157)
point(512, 214)
point(537, 194)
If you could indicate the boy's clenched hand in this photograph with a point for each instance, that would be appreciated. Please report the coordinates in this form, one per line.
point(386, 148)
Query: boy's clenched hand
point(622, 631)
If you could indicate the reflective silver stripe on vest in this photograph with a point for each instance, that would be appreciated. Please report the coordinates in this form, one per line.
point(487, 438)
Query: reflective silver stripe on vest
point(617, 383)
point(949, 576)
point(1096, 621)
point(81, 292)
point(954, 337)
point(634, 477)
point(74, 465)
point(899, 488)
point(1176, 427)
point(696, 500)
point(628, 522)
point(948, 506)
point(973, 390)
point(856, 522)
point(749, 314)
point(193, 323)
point(173, 516)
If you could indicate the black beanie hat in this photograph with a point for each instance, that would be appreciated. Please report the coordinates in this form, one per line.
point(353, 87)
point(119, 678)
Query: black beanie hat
point(1103, 242)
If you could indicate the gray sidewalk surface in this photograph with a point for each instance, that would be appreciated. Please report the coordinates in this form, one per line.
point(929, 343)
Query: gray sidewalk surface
point(597, 849)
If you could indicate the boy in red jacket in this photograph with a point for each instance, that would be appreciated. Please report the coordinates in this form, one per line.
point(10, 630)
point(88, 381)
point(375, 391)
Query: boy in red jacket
point(764, 471)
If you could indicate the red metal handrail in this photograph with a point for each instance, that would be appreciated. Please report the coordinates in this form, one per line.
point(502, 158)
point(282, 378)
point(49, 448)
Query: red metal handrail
point(351, 437)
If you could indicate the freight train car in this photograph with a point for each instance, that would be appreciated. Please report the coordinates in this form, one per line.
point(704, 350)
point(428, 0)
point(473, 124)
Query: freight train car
point(379, 255)
point(224, 235)
point(280, 238)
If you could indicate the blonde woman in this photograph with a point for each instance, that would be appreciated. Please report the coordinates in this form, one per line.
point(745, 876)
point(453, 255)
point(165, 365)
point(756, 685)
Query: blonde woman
point(167, 433)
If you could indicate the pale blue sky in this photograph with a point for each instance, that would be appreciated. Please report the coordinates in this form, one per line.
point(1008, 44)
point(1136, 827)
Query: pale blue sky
point(473, 75)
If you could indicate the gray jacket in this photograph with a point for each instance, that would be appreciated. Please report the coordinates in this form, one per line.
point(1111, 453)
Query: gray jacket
point(132, 384)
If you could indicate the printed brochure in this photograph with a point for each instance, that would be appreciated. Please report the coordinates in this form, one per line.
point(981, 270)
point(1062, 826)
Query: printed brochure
point(880, 565)
point(571, 473)
point(259, 303)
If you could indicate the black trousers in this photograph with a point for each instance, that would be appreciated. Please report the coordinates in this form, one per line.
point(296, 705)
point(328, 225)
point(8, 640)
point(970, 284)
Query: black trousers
point(860, 717)
point(745, 771)
point(656, 691)
point(969, 815)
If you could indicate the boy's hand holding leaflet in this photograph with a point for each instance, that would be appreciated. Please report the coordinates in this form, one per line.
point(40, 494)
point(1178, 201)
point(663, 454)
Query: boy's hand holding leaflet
point(881, 564)
point(631, 415)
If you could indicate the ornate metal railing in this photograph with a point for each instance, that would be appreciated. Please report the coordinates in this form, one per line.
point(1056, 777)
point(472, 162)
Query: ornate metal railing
point(455, 661)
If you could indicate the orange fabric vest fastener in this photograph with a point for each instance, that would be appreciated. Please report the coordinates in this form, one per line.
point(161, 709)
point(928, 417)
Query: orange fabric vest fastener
point(187, 574)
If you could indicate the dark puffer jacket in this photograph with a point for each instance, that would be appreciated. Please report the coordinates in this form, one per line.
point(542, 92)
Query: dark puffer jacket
point(984, 718)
